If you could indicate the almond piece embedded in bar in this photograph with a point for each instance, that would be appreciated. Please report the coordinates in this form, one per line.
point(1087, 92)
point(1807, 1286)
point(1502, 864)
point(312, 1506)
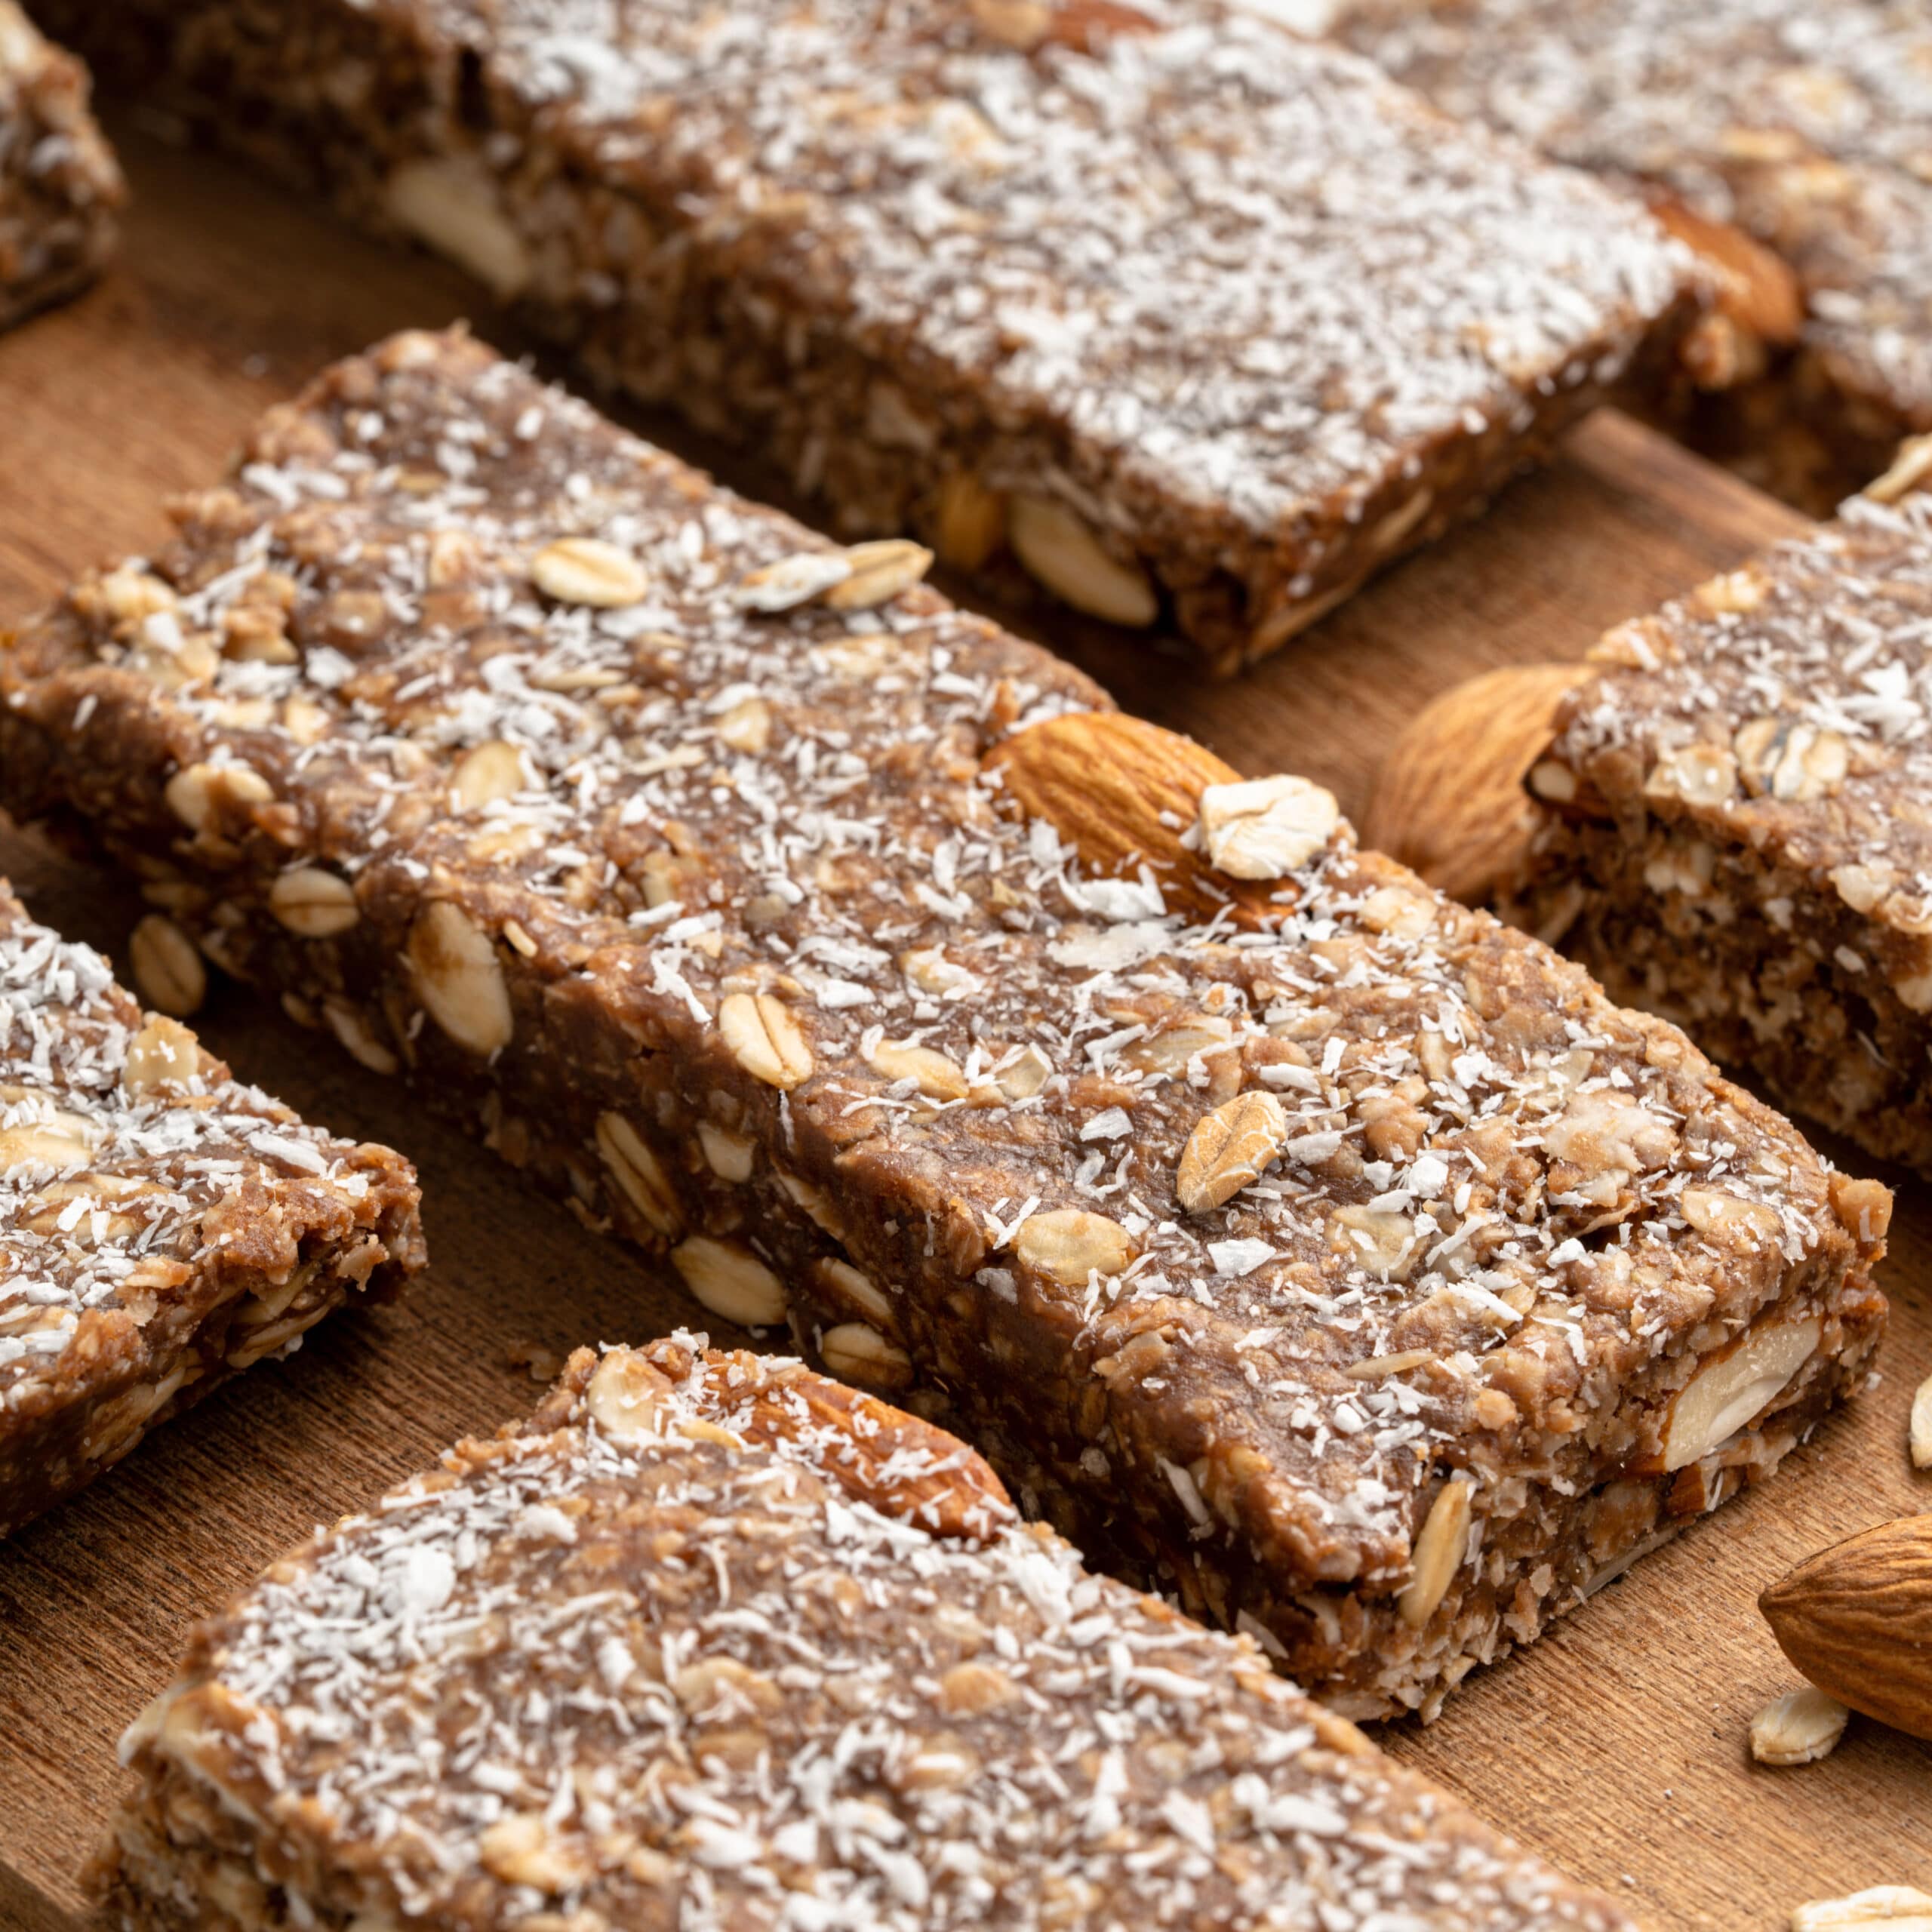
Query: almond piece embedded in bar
point(925, 1020)
point(801, 1649)
point(161, 1226)
point(1181, 320)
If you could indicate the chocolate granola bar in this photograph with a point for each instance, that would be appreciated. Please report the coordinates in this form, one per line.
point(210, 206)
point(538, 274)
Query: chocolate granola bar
point(1179, 314)
point(1335, 1255)
point(709, 1641)
point(161, 1225)
point(1808, 129)
point(59, 185)
point(1734, 821)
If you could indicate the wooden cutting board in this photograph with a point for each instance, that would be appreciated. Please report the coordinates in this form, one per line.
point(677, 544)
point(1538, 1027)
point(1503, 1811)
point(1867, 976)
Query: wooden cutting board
point(1616, 1746)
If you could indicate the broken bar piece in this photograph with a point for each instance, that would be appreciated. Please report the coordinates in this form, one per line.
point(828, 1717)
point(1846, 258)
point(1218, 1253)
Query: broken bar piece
point(161, 1226)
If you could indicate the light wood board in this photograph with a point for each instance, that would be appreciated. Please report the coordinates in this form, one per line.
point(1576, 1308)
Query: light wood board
point(1616, 1746)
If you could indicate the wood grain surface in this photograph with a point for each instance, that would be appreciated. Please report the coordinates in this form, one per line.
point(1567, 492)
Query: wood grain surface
point(1616, 1746)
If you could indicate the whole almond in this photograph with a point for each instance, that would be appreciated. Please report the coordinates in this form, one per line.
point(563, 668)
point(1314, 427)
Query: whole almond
point(1450, 800)
point(899, 1464)
point(1856, 1620)
point(1757, 291)
point(1121, 792)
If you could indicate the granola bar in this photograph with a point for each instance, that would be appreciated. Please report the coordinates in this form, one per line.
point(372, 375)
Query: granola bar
point(1333, 1254)
point(161, 1225)
point(60, 185)
point(1804, 129)
point(709, 1641)
point(1171, 314)
point(1733, 819)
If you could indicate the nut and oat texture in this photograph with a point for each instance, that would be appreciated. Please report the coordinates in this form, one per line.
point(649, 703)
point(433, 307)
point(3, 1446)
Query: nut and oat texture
point(711, 1642)
point(1734, 821)
point(1804, 129)
point(161, 1226)
point(59, 185)
point(1160, 309)
point(1331, 1254)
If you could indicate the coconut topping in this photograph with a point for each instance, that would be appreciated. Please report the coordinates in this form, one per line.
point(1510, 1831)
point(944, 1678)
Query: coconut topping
point(911, 1035)
point(686, 1648)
